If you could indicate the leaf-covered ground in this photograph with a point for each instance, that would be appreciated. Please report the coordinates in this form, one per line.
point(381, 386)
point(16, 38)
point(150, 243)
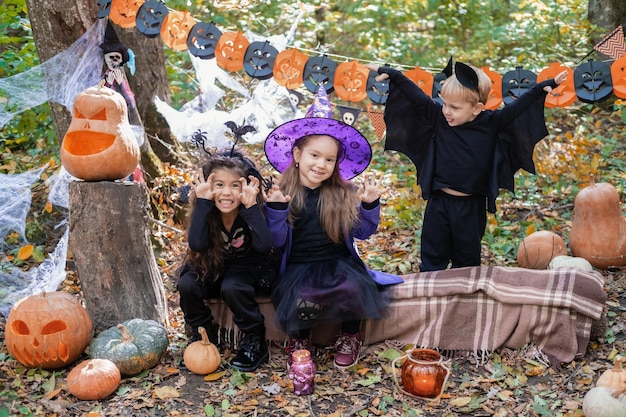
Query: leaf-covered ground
point(503, 384)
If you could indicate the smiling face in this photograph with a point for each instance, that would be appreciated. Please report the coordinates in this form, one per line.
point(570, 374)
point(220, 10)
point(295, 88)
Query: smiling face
point(227, 189)
point(458, 111)
point(317, 159)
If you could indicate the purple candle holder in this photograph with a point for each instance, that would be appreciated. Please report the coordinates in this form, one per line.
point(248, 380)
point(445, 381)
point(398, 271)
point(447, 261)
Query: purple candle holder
point(302, 372)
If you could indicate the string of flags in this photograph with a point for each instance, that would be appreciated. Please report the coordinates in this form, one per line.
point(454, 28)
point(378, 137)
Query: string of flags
point(351, 81)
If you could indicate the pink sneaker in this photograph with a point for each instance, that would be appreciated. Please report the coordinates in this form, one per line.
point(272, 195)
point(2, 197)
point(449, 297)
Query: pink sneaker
point(348, 348)
point(296, 343)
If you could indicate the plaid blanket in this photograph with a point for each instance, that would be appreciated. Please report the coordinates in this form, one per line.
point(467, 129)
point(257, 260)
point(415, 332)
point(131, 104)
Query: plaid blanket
point(481, 309)
point(477, 309)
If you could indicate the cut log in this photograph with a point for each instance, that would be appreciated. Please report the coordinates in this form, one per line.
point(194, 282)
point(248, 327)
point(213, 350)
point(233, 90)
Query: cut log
point(110, 242)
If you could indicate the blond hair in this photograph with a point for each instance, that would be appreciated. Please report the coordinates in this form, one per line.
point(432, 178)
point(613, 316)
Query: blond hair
point(338, 205)
point(452, 87)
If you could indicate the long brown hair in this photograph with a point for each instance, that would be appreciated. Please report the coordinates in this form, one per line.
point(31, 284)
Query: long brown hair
point(338, 206)
point(209, 263)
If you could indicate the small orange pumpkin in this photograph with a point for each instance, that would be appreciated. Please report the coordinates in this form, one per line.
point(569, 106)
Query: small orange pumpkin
point(537, 249)
point(93, 379)
point(564, 94)
point(289, 67)
point(351, 81)
point(175, 29)
point(230, 51)
point(202, 357)
point(48, 330)
point(124, 12)
point(99, 144)
point(422, 78)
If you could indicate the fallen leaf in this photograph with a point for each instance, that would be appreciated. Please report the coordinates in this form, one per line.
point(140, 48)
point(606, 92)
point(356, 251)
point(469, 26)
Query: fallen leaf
point(166, 392)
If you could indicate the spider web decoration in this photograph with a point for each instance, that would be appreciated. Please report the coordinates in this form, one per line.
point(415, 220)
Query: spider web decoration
point(59, 79)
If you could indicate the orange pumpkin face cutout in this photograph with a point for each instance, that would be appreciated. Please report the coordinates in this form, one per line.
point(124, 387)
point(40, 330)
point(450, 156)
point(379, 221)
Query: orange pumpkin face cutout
point(618, 75)
point(124, 12)
point(495, 94)
point(175, 29)
point(230, 51)
point(289, 67)
point(49, 330)
point(99, 144)
point(564, 94)
point(351, 81)
point(423, 79)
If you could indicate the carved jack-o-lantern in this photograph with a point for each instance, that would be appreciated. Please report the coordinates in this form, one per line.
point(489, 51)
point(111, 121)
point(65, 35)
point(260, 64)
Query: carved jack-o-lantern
point(423, 79)
point(99, 144)
point(564, 94)
point(124, 12)
point(289, 68)
point(230, 51)
point(516, 82)
point(150, 17)
point(104, 7)
point(377, 91)
point(319, 70)
point(592, 81)
point(351, 81)
point(49, 330)
point(618, 76)
point(495, 94)
point(258, 62)
point(202, 40)
point(175, 29)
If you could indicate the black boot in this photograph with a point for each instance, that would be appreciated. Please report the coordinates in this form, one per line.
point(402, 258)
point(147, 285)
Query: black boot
point(211, 332)
point(251, 354)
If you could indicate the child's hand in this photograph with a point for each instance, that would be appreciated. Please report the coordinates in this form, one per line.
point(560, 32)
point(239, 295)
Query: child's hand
point(374, 67)
point(203, 188)
point(560, 78)
point(249, 191)
point(372, 188)
point(275, 195)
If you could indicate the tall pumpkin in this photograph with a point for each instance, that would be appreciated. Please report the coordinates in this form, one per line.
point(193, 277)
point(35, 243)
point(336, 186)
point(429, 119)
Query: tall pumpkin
point(599, 229)
point(99, 144)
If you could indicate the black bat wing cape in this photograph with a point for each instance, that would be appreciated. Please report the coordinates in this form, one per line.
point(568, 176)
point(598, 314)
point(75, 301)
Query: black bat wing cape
point(408, 133)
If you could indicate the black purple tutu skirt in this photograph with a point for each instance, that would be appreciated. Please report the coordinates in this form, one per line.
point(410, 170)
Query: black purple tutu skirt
point(326, 290)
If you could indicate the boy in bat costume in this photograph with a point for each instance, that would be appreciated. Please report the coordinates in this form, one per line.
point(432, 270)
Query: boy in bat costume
point(463, 154)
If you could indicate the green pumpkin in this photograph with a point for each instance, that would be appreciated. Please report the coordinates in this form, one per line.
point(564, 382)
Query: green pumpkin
point(133, 346)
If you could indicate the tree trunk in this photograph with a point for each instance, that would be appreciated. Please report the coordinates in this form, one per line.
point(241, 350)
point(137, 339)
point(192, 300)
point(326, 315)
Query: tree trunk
point(110, 240)
point(606, 14)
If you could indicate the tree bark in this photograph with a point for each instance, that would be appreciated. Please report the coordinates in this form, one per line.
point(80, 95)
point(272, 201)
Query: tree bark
point(606, 14)
point(110, 241)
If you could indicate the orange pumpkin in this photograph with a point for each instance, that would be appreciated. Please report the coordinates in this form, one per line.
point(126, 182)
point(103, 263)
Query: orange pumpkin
point(289, 67)
point(99, 144)
point(230, 51)
point(48, 330)
point(564, 94)
point(202, 357)
point(351, 81)
point(598, 228)
point(124, 12)
point(537, 249)
point(175, 29)
point(93, 379)
point(423, 79)
point(495, 94)
point(618, 75)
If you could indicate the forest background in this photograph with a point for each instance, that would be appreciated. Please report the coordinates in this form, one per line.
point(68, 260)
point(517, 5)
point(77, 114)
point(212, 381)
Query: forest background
point(586, 138)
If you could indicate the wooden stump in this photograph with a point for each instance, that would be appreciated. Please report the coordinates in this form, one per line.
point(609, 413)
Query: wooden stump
point(110, 241)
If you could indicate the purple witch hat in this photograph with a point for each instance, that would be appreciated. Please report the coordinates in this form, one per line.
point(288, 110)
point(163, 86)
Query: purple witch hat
point(356, 151)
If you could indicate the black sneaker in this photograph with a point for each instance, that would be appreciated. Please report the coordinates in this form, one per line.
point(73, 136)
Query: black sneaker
point(251, 354)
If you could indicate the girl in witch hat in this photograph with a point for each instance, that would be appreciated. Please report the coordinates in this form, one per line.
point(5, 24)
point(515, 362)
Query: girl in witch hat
point(314, 214)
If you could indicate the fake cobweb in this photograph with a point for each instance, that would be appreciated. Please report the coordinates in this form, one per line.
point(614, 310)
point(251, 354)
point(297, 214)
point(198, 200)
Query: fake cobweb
point(59, 79)
point(16, 193)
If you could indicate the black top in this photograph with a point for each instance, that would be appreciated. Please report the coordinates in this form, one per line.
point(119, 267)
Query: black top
point(478, 157)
